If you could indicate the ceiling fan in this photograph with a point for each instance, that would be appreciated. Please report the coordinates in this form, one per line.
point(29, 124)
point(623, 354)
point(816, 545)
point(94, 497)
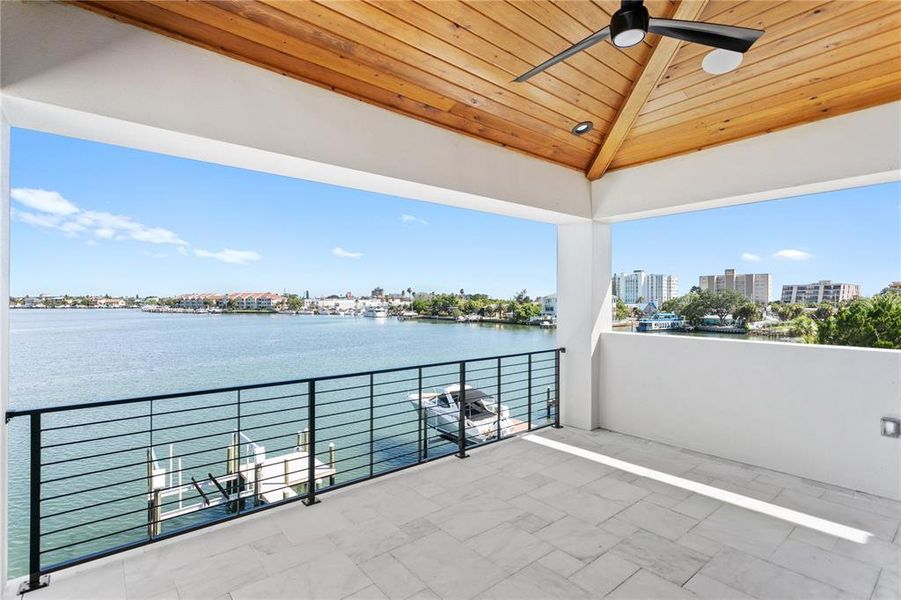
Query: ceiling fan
point(632, 22)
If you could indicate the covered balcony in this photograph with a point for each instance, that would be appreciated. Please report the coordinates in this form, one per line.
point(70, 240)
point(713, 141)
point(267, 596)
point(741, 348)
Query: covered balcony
point(685, 466)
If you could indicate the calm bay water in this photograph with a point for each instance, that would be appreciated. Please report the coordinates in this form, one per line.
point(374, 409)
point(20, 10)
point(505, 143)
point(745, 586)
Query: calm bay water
point(61, 357)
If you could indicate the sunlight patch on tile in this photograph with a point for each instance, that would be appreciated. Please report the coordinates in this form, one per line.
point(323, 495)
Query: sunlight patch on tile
point(779, 512)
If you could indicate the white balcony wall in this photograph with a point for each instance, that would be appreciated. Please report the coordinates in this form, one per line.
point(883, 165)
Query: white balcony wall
point(811, 411)
point(808, 410)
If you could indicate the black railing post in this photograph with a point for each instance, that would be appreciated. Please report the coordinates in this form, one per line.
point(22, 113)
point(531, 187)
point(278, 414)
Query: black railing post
point(311, 445)
point(461, 401)
point(530, 393)
point(498, 401)
point(35, 580)
point(371, 423)
point(419, 420)
point(557, 388)
point(239, 478)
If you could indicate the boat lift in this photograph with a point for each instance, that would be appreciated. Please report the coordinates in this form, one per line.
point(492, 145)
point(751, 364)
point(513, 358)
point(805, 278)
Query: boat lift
point(249, 476)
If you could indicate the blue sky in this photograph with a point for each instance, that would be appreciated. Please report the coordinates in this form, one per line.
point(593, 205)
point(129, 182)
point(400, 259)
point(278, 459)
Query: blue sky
point(194, 226)
point(93, 218)
point(851, 236)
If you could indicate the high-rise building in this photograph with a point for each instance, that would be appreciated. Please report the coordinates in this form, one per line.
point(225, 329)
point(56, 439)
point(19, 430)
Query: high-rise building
point(756, 287)
point(821, 291)
point(639, 287)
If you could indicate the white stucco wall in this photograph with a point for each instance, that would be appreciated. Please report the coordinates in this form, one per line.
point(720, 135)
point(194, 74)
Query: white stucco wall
point(859, 148)
point(584, 302)
point(811, 411)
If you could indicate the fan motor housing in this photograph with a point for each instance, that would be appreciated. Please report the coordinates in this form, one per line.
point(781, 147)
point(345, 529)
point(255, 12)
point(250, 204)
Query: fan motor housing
point(629, 19)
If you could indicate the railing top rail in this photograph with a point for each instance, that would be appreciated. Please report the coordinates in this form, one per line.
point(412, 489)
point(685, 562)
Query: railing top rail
point(11, 414)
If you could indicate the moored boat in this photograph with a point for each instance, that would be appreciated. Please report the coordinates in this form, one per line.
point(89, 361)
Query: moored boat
point(662, 321)
point(441, 411)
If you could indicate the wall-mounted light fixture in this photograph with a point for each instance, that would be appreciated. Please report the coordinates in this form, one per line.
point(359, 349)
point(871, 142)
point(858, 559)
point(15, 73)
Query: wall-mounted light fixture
point(891, 426)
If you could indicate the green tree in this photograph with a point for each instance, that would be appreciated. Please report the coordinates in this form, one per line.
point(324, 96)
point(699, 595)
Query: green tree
point(803, 328)
point(824, 311)
point(523, 311)
point(789, 312)
point(621, 312)
point(678, 304)
point(747, 313)
point(294, 302)
point(422, 307)
point(869, 322)
point(724, 303)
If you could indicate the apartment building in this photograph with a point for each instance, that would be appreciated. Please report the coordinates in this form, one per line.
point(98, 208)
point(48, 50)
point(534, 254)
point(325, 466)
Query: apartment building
point(255, 300)
point(821, 291)
point(549, 306)
point(639, 287)
point(756, 287)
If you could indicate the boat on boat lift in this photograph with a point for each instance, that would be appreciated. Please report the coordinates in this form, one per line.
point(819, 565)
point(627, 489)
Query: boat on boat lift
point(441, 411)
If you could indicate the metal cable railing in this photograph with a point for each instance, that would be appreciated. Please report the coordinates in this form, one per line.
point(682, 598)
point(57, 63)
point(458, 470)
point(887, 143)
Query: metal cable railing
point(101, 482)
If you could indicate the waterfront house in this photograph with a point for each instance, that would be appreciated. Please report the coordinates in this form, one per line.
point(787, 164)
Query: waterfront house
point(785, 485)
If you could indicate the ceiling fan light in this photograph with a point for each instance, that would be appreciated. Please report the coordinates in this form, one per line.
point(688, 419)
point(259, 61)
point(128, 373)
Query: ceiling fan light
point(628, 38)
point(721, 61)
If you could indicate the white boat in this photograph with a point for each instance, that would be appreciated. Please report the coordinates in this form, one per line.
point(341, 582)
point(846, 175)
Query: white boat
point(376, 312)
point(441, 411)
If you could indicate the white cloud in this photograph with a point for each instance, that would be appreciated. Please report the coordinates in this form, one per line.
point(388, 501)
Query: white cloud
point(792, 254)
point(342, 253)
point(52, 211)
point(120, 227)
point(413, 219)
point(748, 257)
point(37, 219)
point(44, 201)
point(235, 257)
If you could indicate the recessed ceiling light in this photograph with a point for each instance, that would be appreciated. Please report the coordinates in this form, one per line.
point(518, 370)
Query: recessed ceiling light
point(583, 128)
point(721, 61)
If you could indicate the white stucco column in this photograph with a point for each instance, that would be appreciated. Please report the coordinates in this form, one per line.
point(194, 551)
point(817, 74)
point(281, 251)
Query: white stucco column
point(584, 310)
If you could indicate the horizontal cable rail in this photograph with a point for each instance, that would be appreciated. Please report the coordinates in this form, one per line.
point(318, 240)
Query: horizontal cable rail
point(194, 459)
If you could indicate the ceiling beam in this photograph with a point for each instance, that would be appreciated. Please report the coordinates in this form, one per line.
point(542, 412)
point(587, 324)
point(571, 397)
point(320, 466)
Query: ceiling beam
point(658, 62)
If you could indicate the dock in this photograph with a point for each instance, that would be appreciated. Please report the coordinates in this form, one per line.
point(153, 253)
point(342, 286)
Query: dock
point(250, 477)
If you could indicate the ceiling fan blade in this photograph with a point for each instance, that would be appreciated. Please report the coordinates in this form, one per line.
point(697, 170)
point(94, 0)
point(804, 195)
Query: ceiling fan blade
point(591, 40)
point(727, 37)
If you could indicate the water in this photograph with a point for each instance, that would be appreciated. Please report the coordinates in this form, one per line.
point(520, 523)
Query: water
point(63, 357)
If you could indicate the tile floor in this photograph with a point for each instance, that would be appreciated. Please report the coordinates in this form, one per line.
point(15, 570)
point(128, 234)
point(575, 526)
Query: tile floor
point(518, 520)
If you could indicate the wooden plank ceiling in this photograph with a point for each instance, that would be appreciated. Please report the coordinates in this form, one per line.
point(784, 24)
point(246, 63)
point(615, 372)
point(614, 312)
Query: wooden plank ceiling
point(452, 63)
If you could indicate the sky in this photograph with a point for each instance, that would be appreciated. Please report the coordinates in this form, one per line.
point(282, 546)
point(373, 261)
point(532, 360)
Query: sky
point(849, 236)
point(92, 218)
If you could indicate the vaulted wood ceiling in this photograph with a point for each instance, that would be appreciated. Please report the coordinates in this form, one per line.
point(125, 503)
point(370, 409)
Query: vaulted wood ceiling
point(452, 63)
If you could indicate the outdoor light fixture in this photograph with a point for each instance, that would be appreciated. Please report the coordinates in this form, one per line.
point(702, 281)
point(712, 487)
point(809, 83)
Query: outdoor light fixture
point(721, 61)
point(628, 27)
point(583, 128)
point(891, 427)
